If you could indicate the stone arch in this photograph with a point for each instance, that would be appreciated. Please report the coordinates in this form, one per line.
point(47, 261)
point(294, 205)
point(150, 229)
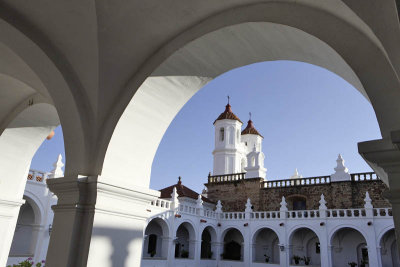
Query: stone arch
point(36, 205)
point(341, 226)
point(27, 229)
point(299, 244)
point(266, 242)
point(185, 238)
point(18, 143)
point(167, 64)
point(349, 244)
point(388, 245)
point(208, 241)
point(41, 67)
point(233, 244)
point(155, 243)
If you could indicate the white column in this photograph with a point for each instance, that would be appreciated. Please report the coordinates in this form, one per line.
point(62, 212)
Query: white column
point(286, 255)
point(219, 249)
point(384, 157)
point(372, 251)
point(194, 250)
point(171, 251)
point(379, 255)
point(9, 210)
point(17, 147)
point(214, 249)
point(109, 218)
point(325, 251)
point(166, 241)
point(38, 233)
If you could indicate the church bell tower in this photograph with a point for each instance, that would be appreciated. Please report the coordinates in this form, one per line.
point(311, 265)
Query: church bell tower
point(227, 150)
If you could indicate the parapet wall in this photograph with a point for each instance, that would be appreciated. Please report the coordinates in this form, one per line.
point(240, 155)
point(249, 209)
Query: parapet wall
point(339, 195)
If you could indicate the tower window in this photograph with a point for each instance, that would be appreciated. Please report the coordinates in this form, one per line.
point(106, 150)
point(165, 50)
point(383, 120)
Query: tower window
point(221, 134)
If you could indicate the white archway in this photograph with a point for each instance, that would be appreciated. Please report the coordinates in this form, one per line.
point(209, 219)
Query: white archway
point(304, 245)
point(156, 236)
point(266, 246)
point(184, 243)
point(389, 250)
point(27, 230)
point(208, 243)
point(233, 246)
point(348, 245)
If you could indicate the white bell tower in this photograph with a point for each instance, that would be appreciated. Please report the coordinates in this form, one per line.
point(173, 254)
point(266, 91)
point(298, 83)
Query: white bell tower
point(228, 148)
point(252, 141)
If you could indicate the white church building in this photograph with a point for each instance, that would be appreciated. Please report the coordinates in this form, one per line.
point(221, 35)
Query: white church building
point(185, 228)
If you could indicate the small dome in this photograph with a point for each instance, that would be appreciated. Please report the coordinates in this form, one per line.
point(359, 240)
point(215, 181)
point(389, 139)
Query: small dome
point(250, 129)
point(227, 115)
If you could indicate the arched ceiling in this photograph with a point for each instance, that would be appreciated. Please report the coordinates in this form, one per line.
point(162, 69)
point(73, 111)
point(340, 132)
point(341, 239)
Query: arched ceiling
point(89, 58)
point(247, 43)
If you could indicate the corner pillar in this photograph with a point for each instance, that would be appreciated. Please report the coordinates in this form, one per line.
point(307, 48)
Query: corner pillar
point(384, 158)
point(9, 210)
point(96, 223)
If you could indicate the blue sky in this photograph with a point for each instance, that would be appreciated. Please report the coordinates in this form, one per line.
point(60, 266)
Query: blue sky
point(306, 114)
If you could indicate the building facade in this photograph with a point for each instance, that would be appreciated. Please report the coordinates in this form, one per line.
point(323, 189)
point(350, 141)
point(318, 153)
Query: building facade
point(242, 219)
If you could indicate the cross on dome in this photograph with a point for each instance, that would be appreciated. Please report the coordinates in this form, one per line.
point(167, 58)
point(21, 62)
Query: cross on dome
point(227, 114)
point(250, 129)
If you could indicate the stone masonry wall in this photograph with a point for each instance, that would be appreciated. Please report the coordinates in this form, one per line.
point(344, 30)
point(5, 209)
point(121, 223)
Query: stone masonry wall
point(339, 195)
point(233, 195)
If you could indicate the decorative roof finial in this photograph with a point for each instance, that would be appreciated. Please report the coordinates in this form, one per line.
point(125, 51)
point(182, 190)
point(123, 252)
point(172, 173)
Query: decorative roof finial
point(283, 204)
point(341, 172)
point(368, 201)
point(57, 170)
point(179, 180)
point(228, 99)
point(249, 116)
point(249, 207)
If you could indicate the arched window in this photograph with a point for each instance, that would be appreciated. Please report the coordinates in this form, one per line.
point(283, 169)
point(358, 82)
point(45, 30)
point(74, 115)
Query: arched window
point(221, 134)
point(152, 246)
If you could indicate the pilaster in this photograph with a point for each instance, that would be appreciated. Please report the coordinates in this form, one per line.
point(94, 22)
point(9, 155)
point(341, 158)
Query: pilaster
point(384, 157)
point(91, 212)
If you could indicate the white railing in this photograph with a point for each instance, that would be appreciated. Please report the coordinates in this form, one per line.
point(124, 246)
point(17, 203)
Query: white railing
point(209, 214)
point(233, 215)
point(37, 176)
point(297, 182)
point(265, 215)
point(187, 209)
point(364, 176)
point(303, 214)
point(161, 203)
point(345, 213)
point(383, 212)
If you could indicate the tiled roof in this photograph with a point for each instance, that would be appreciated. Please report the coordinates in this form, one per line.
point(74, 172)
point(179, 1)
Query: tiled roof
point(227, 115)
point(182, 191)
point(250, 129)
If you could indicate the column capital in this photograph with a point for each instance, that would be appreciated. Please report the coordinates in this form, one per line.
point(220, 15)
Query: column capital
point(383, 156)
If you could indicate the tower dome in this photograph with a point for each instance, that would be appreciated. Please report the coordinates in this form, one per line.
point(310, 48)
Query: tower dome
point(250, 129)
point(227, 115)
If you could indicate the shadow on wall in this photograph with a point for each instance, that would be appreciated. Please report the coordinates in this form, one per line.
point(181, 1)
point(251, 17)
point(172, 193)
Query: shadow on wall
point(115, 247)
